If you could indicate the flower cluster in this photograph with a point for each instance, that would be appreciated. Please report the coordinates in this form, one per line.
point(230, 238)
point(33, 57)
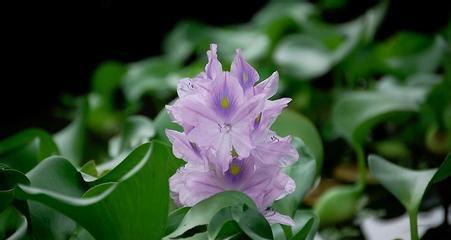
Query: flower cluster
point(227, 142)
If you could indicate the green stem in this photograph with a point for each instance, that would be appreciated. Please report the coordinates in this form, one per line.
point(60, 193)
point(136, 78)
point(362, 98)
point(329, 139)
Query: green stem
point(361, 183)
point(413, 224)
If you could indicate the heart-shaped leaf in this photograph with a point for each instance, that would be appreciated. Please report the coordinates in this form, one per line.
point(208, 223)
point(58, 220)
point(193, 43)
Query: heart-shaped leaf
point(355, 113)
point(407, 185)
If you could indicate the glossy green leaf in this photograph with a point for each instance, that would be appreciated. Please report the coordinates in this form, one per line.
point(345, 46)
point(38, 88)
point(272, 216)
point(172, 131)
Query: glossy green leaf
point(136, 131)
point(174, 219)
point(105, 82)
point(249, 220)
point(306, 225)
point(71, 140)
point(107, 78)
point(163, 122)
point(277, 17)
point(355, 113)
point(58, 175)
point(303, 56)
point(314, 52)
point(203, 212)
point(319, 46)
point(338, 204)
point(303, 172)
point(9, 179)
point(13, 225)
point(296, 125)
point(407, 53)
point(184, 39)
point(253, 223)
point(407, 185)
point(148, 76)
point(26, 149)
point(222, 224)
point(131, 198)
point(253, 44)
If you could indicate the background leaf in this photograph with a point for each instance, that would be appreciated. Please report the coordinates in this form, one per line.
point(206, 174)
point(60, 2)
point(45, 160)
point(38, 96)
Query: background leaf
point(296, 125)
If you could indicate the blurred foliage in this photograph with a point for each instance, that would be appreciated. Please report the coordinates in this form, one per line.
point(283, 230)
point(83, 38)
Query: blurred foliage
point(352, 94)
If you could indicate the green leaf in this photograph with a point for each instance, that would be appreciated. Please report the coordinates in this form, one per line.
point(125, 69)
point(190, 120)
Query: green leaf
point(26, 149)
point(253, 44)
point(13, 225)
point(295, 124)
point(303, 172)
point(338, 204)
point(408, 186)
point(136, 131)
point(163, 122)
point(183, 40)
point(106, 79)
point(9, 179)
point(355, 113)
point(306, 225)
point(148, 76)
point(249, 220)
point(105, 82)
point(204, 211)
point(174, 219)
point(314, 52)
point(303, 56)
point(107, 209)
point(320, 46)
point(54, 174)
point(71, 140)
point(222, 224)
point(407, 53)
point(276, 17)
point(253, 223)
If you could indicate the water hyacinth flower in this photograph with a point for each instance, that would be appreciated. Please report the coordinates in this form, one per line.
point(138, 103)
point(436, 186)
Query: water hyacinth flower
point(226, 140)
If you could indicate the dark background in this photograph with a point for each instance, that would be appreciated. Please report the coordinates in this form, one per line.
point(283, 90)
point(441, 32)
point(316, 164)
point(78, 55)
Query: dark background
point(50, 49)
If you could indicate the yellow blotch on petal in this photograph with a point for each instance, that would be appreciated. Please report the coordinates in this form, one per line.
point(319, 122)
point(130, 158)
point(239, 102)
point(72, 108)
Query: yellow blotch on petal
point(235, 170)
point(225, 103)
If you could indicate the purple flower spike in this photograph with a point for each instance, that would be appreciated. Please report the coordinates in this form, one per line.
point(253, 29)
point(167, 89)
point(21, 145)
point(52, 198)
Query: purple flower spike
point(227, 142)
